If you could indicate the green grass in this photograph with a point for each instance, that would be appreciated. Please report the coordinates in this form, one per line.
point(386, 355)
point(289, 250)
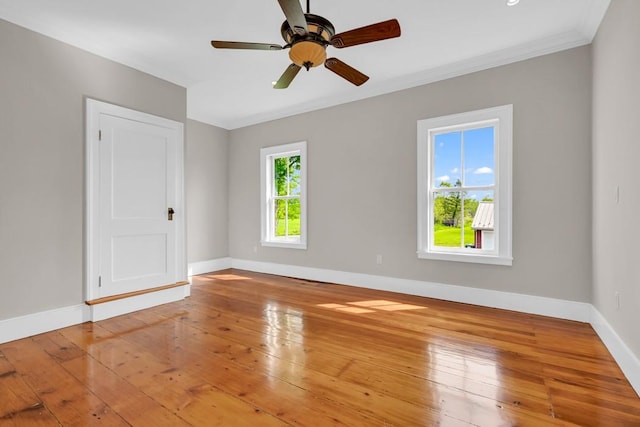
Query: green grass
point(443, 235)
point(294, 227)
point(450, 236)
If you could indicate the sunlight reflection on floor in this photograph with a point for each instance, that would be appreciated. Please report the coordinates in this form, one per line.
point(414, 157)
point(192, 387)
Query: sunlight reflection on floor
point(228, 277)
point(372, 306)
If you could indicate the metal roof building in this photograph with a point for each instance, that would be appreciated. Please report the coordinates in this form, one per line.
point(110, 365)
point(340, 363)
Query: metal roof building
point(483, 219)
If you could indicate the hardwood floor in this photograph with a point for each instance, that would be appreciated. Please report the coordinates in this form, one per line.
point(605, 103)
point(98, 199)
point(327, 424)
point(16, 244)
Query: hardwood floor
point(254, 349)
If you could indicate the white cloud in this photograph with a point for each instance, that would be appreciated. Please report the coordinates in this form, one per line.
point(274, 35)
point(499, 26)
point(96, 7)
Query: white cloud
point(483, 171)
point(455, 170)
point(444, 178)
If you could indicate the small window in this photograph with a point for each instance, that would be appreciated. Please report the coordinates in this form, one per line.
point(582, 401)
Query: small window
point(283, 176)
point(464, 187)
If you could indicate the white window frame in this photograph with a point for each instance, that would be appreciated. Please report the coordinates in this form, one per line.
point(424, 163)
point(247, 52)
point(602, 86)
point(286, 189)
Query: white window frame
point(502, 118)
point(267, 156)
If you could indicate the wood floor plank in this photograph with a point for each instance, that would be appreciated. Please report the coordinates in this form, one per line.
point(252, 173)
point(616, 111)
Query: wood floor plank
point(241, 335)
point(19, 403)
point(250, 348)
point(67, 399)
point(136, 369)
point(133, 405)
point(327, 364)
point(229, 374)
point(539, 380)
point(585, 409)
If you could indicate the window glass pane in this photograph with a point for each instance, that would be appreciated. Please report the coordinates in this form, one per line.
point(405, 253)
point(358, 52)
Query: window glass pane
point(293, 222)
point(280, 217)
point(479, 157)
point(447, 150)
point(280, 175)
point(463, 158)
point(449, 224)
point(294, 175)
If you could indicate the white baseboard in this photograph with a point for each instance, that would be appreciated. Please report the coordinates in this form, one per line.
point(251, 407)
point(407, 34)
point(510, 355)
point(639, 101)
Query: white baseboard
point(110, 309)
point(187, 289)
point(543, 306)
point(202, 267)
point(628, 362)
point(41, 322)
point(37, 323)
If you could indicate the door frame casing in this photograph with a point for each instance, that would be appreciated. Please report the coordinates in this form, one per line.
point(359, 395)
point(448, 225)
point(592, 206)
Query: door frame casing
point(93, 110)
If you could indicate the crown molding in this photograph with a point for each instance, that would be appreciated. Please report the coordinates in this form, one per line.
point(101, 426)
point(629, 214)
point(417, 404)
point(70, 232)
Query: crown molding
point(545, 46)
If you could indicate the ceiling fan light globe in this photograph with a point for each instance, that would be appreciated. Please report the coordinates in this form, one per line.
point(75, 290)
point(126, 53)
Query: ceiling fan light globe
point(308, 53)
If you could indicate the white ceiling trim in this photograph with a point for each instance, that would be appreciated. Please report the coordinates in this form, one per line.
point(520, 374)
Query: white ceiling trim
point(593, 18)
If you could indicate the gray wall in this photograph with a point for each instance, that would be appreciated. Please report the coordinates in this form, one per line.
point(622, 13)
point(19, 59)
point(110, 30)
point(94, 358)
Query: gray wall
point(362, 179)
point(206, 156)
point(43, 84)
point(616, 154)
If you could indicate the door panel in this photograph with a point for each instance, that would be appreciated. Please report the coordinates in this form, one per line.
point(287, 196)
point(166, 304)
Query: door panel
point(126, 248)
point(139, 175)
point(137, 187)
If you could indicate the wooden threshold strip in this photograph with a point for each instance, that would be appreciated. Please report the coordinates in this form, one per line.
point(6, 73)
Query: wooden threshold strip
point(135, 293)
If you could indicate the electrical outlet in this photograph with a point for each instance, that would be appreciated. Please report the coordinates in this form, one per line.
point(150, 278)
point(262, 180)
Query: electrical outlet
point(255, 249)
point(379, 259)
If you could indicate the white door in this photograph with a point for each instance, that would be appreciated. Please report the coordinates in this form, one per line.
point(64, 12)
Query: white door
point(135, 234)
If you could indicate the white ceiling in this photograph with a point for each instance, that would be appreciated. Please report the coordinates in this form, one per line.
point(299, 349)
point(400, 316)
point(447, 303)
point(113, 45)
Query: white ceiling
point(232, 88)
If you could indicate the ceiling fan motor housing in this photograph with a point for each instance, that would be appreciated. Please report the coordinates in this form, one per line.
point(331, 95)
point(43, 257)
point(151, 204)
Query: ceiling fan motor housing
point(309, 50)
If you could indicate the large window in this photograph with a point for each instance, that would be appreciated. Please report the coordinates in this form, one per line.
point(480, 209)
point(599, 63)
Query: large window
point(464, 187)
point(283, 172)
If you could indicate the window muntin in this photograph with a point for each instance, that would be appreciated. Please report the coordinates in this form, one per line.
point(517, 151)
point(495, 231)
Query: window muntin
point(464, 187)
point(284, 195)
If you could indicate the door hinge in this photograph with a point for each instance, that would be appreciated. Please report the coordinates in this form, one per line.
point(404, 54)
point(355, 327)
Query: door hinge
point(99, 135)
point(99, 281)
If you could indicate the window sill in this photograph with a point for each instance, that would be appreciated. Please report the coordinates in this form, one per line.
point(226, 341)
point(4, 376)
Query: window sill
point(284, 244)
point(477, 259)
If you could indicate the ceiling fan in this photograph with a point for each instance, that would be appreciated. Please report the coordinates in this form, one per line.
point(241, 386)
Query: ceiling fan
point(308, 36)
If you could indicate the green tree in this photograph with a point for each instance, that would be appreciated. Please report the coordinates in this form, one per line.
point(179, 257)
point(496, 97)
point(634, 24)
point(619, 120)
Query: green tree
point(438, 208)
point(470, 208)
point(452, 227)
point(286, 173)
point(451, 203)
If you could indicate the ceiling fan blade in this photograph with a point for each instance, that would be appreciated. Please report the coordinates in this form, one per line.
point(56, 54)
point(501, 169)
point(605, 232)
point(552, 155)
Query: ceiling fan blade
point(287, 77)
point(371, 33)
point(243, 45)
point(295, 15)
point(345, 71)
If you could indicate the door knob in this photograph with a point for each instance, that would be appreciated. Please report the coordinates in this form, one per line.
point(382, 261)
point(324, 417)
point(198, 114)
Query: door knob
point(170, 213)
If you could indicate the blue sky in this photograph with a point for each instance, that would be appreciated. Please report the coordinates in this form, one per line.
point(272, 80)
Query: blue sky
point(477, 166)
